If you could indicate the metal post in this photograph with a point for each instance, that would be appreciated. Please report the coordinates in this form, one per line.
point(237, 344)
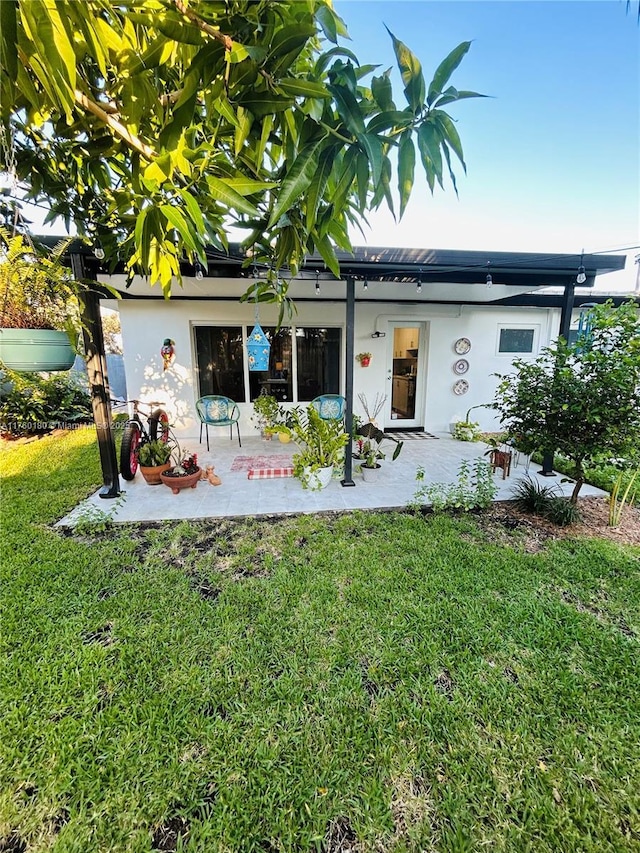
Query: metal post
point(348, 389)
point(98, 380)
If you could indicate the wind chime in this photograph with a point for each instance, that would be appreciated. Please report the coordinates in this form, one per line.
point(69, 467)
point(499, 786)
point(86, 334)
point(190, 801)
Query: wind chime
point(258, 346)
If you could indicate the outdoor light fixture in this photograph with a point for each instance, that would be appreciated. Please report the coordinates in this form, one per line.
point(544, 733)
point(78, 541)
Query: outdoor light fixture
point(489, 276)
point(365, 285)
point(199, 271)
point(582, 276)
point(419, 285)
point(317, 282)
point(98, 251)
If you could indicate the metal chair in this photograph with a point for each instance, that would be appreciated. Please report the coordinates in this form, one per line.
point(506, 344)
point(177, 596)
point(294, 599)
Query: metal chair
point(218, 411)
point(330, 407)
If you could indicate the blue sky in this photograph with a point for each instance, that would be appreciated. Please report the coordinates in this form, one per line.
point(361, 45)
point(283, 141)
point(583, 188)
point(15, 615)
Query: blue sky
point(553, 160)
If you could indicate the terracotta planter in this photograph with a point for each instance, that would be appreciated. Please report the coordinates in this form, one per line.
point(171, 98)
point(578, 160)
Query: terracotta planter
point(152, 473)
point(364, 362)
point(25, 350)
point(186, 481)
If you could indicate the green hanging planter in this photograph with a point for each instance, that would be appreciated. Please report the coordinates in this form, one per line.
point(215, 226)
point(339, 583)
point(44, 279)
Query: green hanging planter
point(35, 350)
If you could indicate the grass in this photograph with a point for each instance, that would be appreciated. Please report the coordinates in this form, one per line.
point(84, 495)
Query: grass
point(395, 682)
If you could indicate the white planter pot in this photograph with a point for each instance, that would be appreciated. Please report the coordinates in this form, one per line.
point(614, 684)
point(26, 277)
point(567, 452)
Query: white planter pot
point(370, 475)
point(319, 479)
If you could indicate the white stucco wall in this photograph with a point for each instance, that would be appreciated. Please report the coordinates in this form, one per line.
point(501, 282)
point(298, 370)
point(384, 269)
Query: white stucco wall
point(146, 323)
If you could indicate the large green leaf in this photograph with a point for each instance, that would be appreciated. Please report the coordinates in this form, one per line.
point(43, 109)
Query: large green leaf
point(318, 184)
point(406, 169)
point(348, 109)
point(175, 217)
point(9, 39)
point(303, 88)
point(452, 94)
point(248, 186)
point(382, 91)
point(296, 181)
point(450, 134)
point(411, 71)
point(429, 145)
point(446, 69)
point(373, 148)
point(264, 103)
point(221, 191)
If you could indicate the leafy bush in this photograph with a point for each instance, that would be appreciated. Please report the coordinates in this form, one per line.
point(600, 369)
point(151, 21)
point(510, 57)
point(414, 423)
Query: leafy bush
point(31, 403)
point(466, 431)
point(562, 511)
point(530, 496)
point(475, 488)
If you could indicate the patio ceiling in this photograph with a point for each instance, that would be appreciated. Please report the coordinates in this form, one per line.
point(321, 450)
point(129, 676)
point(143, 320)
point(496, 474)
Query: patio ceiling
point(444, 275)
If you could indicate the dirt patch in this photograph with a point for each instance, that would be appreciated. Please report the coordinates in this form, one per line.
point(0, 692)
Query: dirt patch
point(340, 837)
point(166, 837)
point(536, 531)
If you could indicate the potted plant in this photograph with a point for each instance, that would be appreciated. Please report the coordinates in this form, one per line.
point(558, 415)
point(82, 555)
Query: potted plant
point(265, 414)
point(39, 308)
point(154, 459)
point(284, 424)
point(368, 441)
point(364, 358)
point(184, 473)
point(321, 446)
point(468, 430)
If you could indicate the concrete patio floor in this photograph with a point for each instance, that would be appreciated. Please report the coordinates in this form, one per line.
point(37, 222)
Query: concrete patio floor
point(239, 496)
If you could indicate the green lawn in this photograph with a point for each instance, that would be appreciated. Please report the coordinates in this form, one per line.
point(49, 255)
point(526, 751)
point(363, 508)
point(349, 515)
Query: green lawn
point(367, 682)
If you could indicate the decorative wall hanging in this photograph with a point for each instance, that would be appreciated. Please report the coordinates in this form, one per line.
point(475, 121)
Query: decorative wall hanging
point(462, 346)
point(461, 366)
point(460, 387)
point(168, 353)
point(258, 345)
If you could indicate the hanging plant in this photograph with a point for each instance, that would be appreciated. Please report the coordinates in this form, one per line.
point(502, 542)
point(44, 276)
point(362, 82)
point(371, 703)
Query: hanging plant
point(364, 358)
point(39, 307)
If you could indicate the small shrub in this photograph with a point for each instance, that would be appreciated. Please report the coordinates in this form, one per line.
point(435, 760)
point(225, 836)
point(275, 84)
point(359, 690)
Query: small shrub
point(475, 488)
point(623, 492)
point(466, 431)
point(32, 403)
point(530, 496)
point(562, 512)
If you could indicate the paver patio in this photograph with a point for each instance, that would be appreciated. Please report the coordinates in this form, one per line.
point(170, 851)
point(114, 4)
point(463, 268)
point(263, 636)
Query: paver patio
point(239, 496)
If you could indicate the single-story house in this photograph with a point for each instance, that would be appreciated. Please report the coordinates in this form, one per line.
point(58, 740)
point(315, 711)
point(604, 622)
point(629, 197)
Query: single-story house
point(438, 325)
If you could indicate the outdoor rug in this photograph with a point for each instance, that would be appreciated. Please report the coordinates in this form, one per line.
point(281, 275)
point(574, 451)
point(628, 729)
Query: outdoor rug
point(275, 460)
point(407, 436)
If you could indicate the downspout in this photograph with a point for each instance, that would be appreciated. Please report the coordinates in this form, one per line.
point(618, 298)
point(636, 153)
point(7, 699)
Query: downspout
point(348, 380)
point(98, 381)
point(565, 328)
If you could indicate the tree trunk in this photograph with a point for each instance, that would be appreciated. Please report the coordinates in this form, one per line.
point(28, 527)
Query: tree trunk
point(578, 485)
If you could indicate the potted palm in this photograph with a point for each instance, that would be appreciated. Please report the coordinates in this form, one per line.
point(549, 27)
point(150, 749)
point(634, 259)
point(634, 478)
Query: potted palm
point(320, 444)
point(39, 308)
point(154, 459)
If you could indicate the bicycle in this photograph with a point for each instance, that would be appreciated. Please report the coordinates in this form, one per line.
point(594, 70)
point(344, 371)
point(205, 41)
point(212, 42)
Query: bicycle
point(135, 435)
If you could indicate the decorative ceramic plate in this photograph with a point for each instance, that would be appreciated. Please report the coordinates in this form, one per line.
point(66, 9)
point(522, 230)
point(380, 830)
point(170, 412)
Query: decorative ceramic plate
point(461, 366)
point(461, 387)
point(462, 346)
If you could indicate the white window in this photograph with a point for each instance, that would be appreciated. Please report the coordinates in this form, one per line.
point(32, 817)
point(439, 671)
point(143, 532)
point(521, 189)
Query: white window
point(518, 339)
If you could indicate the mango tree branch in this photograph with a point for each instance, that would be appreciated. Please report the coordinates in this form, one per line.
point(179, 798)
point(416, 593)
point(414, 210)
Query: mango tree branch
point(226, 41)
point(118, 128)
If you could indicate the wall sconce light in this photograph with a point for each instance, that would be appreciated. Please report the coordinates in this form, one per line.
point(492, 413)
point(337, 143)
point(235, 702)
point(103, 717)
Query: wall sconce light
point(365, 285)
point(199, 270)
point(317, 282)
point(98, 251)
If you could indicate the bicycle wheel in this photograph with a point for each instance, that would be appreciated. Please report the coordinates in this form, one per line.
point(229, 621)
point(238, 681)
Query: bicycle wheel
point(129, 450)
point(159, 425)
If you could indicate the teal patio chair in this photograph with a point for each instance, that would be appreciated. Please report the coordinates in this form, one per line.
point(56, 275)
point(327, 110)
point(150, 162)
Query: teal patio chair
point(330, 407)
point(218, 411)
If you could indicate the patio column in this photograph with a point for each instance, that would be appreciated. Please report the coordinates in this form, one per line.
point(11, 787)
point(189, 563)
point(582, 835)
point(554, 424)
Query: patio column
point(98, 381)
point(348, 382)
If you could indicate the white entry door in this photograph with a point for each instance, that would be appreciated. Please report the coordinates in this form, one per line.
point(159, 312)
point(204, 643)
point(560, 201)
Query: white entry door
point(406, 374)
